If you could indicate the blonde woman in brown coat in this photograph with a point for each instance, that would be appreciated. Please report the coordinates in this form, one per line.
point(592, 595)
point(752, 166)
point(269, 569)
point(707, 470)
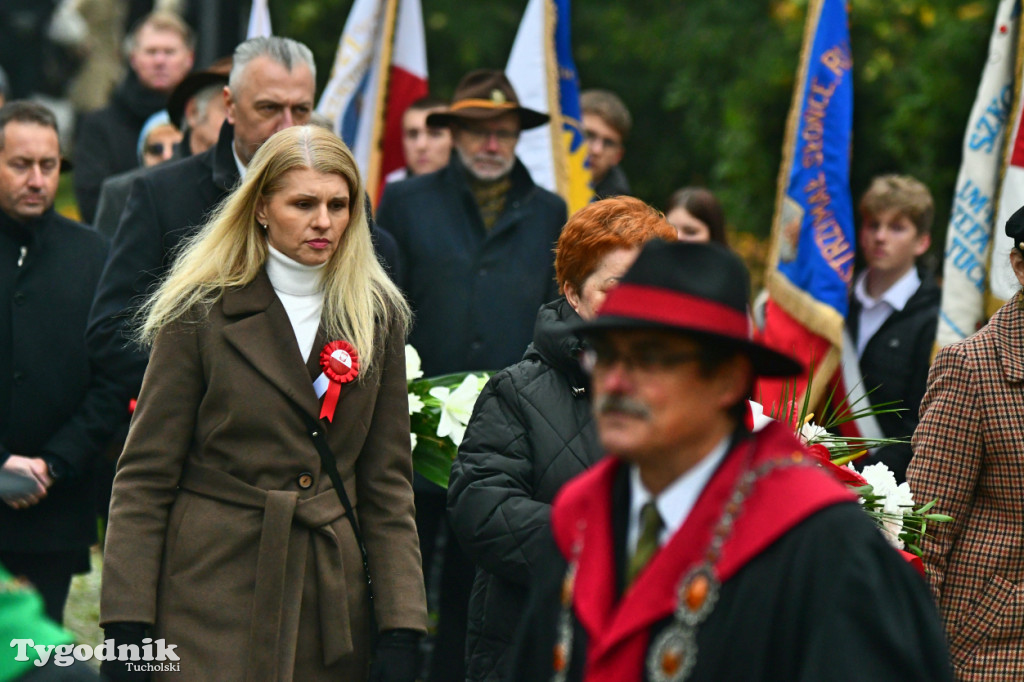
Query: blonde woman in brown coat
point(227, 538)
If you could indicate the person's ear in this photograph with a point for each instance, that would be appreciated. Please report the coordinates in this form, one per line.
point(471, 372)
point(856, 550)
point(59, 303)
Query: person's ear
point(229, 105)
point(572, 295)
point(1017, 262)
point(924, 241)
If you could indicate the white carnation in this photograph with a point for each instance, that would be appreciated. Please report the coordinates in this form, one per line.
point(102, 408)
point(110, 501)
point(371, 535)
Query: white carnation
point(897, 499)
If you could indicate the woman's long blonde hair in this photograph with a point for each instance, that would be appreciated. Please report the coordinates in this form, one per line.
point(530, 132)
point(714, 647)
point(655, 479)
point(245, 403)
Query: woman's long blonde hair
point(231, 249)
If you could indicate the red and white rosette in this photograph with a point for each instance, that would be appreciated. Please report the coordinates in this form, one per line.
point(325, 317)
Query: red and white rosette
point(340, 363)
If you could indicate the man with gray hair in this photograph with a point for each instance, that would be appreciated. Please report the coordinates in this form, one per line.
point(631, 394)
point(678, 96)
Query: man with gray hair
point(198, 109)
point(271, 87)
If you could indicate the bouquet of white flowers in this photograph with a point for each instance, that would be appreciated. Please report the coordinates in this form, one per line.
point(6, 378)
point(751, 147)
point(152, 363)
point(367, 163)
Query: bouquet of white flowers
point(439, 410)
point(891, 506)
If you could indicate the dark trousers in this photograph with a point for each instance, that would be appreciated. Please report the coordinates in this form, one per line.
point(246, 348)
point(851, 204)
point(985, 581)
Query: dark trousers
point(50, 573)
point(443, 556)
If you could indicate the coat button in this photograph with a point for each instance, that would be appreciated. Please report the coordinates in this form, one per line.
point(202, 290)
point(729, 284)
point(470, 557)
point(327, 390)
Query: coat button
point(19, 298)
point(305, 480)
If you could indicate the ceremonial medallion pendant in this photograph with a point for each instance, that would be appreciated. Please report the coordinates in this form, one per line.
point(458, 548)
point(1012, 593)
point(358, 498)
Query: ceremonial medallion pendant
point(673, 653)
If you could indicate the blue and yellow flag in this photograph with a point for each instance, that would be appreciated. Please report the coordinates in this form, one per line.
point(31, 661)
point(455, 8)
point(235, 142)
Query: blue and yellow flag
point(813, 233)
point(541, 69)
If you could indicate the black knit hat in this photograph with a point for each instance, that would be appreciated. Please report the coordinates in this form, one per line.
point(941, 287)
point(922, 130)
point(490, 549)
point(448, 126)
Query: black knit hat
point(699, 289)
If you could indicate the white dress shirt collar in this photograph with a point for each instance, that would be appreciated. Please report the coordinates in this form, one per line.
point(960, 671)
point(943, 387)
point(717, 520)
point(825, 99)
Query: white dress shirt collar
point(896, 296)
point(238, 161)
point(677, 500)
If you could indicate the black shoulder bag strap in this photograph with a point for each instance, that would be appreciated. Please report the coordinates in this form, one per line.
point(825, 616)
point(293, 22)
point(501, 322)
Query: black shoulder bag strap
point(330, 465)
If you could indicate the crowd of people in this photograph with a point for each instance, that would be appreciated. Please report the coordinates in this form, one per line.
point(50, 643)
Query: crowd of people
point(212, 360)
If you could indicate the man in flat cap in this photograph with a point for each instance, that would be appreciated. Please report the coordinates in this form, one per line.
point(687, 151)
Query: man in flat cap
point(699, 550)
point(476, 242)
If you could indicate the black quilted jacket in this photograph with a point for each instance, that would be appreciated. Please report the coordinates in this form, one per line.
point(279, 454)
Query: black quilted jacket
point(531, 431)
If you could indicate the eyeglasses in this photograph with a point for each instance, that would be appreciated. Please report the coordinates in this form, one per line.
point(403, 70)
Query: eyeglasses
point(158, 148)
point(606, 142)
point(504, 137)
point(644, 361)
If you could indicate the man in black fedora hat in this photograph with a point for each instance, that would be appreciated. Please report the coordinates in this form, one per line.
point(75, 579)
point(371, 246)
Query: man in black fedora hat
point(476, 241)
point(700, 550)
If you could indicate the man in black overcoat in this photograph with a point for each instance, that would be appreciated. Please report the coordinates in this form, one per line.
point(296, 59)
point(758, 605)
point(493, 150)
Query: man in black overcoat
point(50, 395)
point(106, 140)
point(476, 241)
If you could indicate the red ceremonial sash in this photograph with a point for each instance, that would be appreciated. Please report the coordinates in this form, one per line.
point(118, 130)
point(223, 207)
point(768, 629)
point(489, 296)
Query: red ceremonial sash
point(618, 630)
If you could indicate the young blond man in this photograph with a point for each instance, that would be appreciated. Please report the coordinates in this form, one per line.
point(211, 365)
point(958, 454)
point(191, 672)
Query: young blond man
point(894, 307)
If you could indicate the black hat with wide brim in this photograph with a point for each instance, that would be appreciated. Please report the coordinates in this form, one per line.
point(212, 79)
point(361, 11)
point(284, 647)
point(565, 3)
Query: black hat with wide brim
point(701, 290)
point(216, 74)
point(482, 95)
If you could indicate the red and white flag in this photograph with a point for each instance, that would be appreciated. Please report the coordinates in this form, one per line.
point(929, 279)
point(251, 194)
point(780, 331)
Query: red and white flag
point(379, 69)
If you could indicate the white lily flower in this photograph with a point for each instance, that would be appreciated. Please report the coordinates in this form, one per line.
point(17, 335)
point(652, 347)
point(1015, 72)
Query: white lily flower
point(412, 364)
point(413, 435)
point(456, 408)
point(415, 404)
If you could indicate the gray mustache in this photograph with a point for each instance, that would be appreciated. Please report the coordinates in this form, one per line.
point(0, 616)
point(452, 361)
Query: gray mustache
point(622, 404)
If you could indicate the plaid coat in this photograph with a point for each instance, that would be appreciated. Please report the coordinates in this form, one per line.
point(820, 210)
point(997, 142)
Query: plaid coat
point(969, 455)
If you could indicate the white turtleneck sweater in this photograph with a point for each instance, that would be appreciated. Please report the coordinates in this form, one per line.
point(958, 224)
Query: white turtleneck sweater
point(298, 287)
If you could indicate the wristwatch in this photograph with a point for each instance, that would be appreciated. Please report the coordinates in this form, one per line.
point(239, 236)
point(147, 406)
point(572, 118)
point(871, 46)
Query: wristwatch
point(54, 468)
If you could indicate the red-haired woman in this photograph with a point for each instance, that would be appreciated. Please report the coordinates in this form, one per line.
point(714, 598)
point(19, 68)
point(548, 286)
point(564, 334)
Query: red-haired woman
point(532, 429)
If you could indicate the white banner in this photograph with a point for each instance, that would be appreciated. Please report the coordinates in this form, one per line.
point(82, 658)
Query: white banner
point(259, 20)
point(966, 272)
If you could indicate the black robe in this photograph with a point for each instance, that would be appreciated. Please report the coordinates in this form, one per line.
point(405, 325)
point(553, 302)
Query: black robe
point(828, 600)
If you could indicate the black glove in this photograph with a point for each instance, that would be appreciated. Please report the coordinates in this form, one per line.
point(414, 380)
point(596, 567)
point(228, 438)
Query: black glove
point(397, 657)
point(124, 633)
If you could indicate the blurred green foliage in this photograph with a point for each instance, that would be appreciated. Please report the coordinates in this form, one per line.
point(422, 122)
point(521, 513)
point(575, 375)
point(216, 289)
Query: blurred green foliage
point(709, 82)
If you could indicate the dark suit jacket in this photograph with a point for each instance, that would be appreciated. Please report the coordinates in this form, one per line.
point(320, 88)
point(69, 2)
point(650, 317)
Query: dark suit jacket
point(475, 291)
point(829, 577)
point(894, 367)
point(164, 206)
point(50, 395)
point(223, 522)
point(113, 198)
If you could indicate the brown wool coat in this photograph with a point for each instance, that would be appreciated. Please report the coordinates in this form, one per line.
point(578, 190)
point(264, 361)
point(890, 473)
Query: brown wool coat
point(247, 572)
point(969, 455)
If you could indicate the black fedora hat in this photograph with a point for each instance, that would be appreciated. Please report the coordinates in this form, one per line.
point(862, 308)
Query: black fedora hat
point(699, 289)
point(484, 94)
point(215, 74)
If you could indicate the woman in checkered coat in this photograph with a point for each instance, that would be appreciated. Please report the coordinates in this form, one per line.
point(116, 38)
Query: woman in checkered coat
point(969, 455)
